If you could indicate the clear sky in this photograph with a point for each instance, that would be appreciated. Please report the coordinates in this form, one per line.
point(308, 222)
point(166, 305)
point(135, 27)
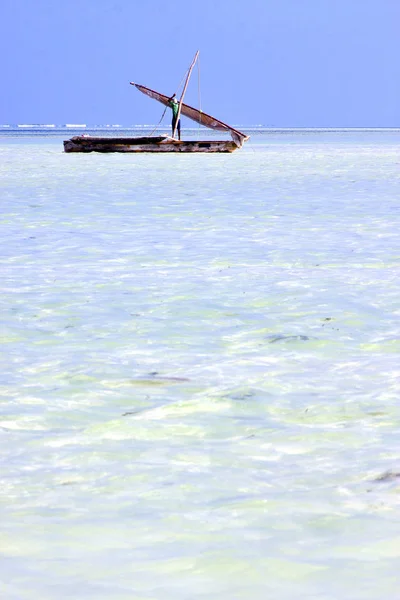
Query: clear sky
point(280, 63)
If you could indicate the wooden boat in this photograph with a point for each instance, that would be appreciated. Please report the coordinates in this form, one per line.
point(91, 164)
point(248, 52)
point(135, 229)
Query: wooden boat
point(163, 143)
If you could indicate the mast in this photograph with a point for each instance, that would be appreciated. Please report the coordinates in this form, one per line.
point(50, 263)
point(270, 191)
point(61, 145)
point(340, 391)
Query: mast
point(184, 91)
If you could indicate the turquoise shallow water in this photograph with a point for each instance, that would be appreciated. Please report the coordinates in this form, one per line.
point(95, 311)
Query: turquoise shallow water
point(200, 370)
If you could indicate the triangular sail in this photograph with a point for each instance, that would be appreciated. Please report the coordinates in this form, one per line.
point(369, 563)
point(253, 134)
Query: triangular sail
point(196, 115)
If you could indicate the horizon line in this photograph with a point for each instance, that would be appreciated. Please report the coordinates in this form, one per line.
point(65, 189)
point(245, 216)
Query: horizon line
point(149, 125)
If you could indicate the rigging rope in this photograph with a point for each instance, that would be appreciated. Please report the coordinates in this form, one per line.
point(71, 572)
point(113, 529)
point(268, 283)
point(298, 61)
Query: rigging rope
point(198, 88)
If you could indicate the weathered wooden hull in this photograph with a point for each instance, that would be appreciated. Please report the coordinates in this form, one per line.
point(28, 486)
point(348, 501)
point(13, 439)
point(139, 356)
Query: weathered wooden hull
point(146, 144)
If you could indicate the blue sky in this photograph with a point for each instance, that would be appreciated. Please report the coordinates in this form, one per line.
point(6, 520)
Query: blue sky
point(280, 63)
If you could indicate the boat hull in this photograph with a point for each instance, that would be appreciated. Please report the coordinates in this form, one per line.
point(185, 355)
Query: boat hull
point(146, 144)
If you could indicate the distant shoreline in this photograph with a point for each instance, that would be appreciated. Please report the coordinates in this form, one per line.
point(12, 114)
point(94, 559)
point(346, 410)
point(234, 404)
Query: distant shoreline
point(84, 126)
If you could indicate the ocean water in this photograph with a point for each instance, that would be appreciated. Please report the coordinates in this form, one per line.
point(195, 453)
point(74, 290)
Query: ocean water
point(200, 370)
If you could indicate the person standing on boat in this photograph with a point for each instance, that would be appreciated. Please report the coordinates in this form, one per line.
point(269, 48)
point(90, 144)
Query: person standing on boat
point(176, 124)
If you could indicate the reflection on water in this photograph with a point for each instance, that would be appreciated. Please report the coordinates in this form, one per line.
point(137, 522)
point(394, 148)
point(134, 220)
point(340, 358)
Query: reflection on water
point(200, 378)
